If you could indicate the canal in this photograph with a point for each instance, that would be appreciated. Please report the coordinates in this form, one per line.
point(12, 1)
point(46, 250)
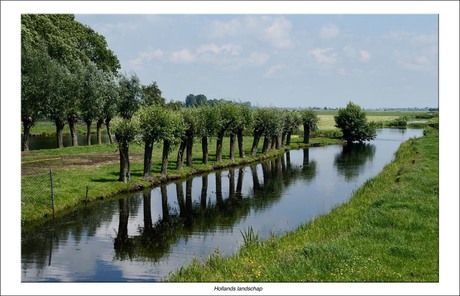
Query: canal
point(147, 235)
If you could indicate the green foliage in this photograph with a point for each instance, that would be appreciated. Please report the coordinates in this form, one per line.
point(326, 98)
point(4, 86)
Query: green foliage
point(309, 118)
point(159, 123)
point(292, 121)
point(195, 101)
point(249, 237)
point(398, 122)
point(126, 130)
point(353, 123)
point(67, 41)
point(92, 100)
point(208, 120)
point(268, 120)
point(130, 95)
point(151, 95)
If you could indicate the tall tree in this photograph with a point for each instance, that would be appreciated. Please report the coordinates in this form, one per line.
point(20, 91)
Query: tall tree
point(109, 110)
point(190, 116)
point(310, 122)
point(126, 128)
point(353, 123)
point(35, 66)
point(92, 101)
point(245, 119)
point(207, 122)
point(152, 95)
point(292, 121)
point(273, 128)
point(126, 131)
point(173, 131)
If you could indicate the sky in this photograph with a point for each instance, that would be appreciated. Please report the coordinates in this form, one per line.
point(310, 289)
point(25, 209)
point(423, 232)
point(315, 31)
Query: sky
point(281, 60)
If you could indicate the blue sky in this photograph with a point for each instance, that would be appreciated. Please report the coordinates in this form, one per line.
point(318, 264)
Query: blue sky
point(283, 60)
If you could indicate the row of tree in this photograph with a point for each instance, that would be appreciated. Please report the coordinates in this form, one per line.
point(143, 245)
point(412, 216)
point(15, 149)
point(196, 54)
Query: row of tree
point(173, 126)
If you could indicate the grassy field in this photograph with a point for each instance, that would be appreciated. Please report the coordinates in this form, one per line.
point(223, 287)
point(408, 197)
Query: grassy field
point(387, 232)
point(97, 166)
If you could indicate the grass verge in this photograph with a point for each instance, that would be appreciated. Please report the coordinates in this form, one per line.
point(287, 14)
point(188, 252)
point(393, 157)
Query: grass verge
point(387, 232)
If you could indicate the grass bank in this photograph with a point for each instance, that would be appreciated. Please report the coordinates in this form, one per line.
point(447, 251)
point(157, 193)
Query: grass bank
point(92, 171)
point(387, 232)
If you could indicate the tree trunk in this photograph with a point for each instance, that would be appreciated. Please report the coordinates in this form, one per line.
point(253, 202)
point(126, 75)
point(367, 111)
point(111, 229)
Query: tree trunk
point(122, 234)
point(306, 134)
point(189, 158)
point(239, 183)
point(273, 142)
point(123, 147)
point(59, 127)
point(278, 142)
point(240, 143)
point(27, 123)
point(266, 145)
point(180, 154)
point(255, 143)
point(231, 182)
point(164, 203)
point(219, 199)
point(164, 159)
point(283, 139)
point(148, 225)
point(88, 132)
point(107, 125)
point(72, 119)
point(288, 138)
point(180, 198)
point(99, 123)
point(148, 150)
point(232, 146)
point(204, 148)
point(220, 139)
point(204, 191)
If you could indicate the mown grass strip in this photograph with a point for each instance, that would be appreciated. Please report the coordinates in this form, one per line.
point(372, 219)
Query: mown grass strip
point(387, 232)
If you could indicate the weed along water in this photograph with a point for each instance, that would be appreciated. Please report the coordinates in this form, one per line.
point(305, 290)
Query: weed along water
point(147, 235)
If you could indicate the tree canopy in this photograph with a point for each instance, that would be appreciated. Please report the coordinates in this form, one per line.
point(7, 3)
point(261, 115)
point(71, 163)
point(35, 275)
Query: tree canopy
point(353, 123)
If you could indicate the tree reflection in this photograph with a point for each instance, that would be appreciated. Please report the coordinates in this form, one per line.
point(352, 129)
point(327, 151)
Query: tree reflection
point(350, 162)
point(308, 167)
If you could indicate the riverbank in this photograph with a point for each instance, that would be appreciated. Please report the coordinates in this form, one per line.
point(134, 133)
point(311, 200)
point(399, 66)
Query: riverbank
point(387, 232)
point(85, 174)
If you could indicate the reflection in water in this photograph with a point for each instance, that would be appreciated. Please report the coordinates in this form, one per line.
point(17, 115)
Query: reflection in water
point(148, 235)
point(350, 163)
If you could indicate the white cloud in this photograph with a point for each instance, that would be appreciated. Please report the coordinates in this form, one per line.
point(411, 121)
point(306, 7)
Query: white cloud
point(258, 58)
point(273, 69)
point(329, 31)
point(412, 62)
point(224, 29)
point(272, 30)
point(213, 49)
point(146, 56)
point(277, 32)
point(183, 56)
point(364, 55)
point(324, 55)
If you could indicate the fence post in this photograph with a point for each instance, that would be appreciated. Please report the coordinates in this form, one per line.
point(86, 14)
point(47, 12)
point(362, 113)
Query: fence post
point(52, 191)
